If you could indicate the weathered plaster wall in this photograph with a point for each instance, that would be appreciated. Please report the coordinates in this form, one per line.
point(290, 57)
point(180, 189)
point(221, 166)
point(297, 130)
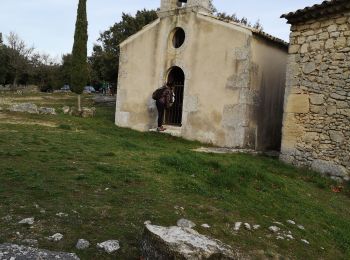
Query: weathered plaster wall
point(217, 61)
point(316, 128)
point(268, 82)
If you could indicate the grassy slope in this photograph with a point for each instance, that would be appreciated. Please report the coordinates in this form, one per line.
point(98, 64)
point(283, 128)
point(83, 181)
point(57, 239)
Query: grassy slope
point(68, 169)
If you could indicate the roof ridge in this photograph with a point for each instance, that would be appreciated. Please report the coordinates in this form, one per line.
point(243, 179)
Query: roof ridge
point(317, 9)
point(261, 33)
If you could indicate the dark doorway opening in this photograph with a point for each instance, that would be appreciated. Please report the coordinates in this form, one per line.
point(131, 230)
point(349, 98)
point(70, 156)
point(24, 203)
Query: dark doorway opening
point(173, 115)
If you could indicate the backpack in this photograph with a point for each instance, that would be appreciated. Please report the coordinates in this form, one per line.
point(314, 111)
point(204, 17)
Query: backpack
point(158, 93)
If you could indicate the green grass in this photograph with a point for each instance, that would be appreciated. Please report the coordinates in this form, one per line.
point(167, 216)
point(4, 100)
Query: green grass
point(110, 180)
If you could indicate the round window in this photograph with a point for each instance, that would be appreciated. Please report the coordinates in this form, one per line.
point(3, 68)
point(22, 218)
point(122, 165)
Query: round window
point(179, 37)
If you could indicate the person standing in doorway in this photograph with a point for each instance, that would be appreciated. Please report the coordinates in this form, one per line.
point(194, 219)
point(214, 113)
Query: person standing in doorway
point(164, 99)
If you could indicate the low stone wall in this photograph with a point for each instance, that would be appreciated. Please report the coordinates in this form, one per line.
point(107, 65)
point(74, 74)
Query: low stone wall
point(316, 127)
point(20, 88)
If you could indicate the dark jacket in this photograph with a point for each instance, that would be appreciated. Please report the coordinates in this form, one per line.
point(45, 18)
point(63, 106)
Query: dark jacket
point(166, 97)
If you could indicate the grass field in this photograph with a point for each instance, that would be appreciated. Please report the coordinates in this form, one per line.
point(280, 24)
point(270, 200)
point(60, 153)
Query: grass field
point(110, 180)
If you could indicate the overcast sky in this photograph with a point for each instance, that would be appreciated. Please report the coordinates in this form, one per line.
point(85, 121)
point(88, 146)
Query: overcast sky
point(49, 24)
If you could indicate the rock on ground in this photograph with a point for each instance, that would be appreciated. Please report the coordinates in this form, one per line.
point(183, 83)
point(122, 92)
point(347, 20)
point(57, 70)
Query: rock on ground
point(237, 226)
point(109, 246)
point(65, 109)
point(274, 229)
point(56, 237)
point(24, 108)
point(47, 111)
point(182, 243)
point(205, 226)
point(30, 242)
point(185, 223)
point(27, 221)
point(82, 244)
point(88, 112)
point(11, 251)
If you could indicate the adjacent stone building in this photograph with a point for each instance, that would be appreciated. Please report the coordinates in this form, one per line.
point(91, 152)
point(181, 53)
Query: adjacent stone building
point(229, 78)
point(316, 125)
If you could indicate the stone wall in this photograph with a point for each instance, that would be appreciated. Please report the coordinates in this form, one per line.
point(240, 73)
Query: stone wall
point(316, 126)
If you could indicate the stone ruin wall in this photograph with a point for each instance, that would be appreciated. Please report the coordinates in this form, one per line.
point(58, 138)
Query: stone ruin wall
point(316, 129)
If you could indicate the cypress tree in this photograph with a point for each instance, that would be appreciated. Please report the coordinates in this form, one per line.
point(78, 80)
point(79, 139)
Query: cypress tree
point(79, 69)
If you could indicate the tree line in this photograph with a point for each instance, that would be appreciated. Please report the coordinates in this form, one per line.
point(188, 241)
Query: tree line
point(21, 64)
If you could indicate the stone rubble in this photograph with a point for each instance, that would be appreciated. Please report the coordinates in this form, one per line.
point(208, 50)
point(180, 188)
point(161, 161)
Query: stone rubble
point(56, 237)
point(18, 252)
point(30, 242)
point(305, 241)
point(27, 221)
point(301, 227)
point(109, 246)
point(274, 229)
point(205, 226)
point(291, 222)
point(185, 223)
point(247, 226)
point(7, 218)
point(61, 214)
point(255, 227)
point(237, 226)
point(82, 244)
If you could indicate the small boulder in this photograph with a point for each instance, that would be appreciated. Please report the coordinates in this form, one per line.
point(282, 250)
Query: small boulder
point(247, 226)
point(56, 237)
point(88, 112)
point(305, 241)
point(292, 222)
point(237, 226)
point(65, 109)
point(27, 221)
point(109, 246)
point(182, 243)
point(205, 226)
point(61, 214)
point(301, 227)
point(185, 223)
point(82, 244)
point(274, 229)
point(47, 111)
point(255, 227)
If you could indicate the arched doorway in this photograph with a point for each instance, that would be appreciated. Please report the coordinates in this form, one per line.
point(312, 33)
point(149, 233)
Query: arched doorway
point(173, 115)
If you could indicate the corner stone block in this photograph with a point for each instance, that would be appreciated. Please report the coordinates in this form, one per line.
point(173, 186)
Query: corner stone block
point(122, 119)
point(298, 103)
point(292, 131)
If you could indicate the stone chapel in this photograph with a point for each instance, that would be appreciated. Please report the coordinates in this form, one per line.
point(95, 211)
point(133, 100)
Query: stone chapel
point(230, 78)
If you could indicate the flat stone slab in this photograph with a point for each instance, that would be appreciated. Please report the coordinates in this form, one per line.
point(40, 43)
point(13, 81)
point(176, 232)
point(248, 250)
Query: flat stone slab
point(223, 150)
point(164, 243)
point(12, 251)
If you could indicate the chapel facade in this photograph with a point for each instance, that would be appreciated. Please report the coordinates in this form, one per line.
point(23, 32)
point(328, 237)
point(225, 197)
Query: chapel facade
point(229, 78)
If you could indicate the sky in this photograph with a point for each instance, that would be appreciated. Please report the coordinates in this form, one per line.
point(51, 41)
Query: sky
point(48, 25)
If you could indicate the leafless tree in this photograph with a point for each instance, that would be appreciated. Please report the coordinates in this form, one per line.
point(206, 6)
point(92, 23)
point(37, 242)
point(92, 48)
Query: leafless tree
point(20, 54)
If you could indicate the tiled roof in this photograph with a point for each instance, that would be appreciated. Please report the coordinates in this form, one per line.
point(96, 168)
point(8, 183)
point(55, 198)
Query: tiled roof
point(318, 10)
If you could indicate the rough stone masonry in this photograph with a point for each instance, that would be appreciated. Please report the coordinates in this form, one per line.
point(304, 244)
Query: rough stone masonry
point(316, 125)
